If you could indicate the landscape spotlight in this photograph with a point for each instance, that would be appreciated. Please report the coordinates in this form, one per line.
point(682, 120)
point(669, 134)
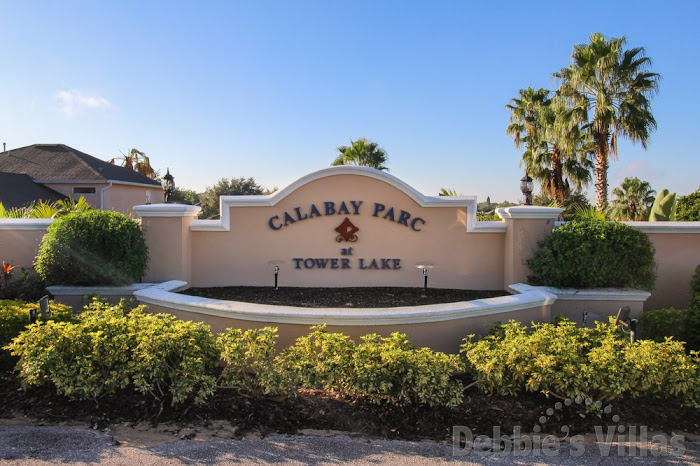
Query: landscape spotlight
point(526, 188)
point(277, 272)
point(168, 184)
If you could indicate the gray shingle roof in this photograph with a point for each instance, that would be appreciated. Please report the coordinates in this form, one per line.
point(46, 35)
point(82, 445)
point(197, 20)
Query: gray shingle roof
point(58, 162)
point(17, 190)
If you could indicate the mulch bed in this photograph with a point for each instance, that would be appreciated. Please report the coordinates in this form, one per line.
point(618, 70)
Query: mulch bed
point(313, 409)
point(342, 297)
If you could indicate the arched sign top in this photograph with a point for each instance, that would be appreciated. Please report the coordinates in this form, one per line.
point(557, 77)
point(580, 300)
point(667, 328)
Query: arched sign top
point(277, 196)
point(270, 200)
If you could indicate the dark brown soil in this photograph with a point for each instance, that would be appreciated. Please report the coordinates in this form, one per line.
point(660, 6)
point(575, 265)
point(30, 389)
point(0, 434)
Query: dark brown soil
point(342, 297)
point(313, 409)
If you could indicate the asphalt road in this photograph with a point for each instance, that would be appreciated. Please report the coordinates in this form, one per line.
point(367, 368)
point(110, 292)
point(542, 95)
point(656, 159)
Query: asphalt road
point(41, 445)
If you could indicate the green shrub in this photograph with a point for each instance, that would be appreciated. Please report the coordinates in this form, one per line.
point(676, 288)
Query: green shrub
point(392, 369)
point(379, 369)
point(658, 324)
point(249, 359)
point(319, 360)
point(172, 358)
point(14, 318)
point(694, 304)
point(693, 332)
point(572, 361)
point(109, 348)
point(688, 208)
point(594, 254)
point(92, 248)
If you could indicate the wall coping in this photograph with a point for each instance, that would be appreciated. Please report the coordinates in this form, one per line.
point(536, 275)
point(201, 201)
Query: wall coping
point(666, 227)
point(162, 295)
point(592, 294)
point(270, 200)
point(167, 210)
point(25, 224)
point(60, 290)
point(529, 212)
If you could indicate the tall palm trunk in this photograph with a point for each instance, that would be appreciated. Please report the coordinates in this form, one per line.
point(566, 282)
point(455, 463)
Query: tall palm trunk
point(557, 178)
point(601, 169)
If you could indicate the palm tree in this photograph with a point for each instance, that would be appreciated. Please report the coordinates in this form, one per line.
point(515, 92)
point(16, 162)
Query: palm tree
point(633, 200)
point(614, 84)
point(525, 121)
point(137, 161)
point(557, 151)
point(362, 152)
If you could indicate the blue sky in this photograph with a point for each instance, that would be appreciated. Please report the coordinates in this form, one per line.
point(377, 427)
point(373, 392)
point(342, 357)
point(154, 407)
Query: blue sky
point(269, 89)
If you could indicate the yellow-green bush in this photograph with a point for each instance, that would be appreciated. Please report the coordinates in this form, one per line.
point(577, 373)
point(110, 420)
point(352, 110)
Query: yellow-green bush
point(110, 348)
point(249, 358)
point(571, 361)
point(14, 318)
point(380, 369)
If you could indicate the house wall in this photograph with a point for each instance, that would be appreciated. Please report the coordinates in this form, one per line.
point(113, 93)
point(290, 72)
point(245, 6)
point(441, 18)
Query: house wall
point(67, 190)
point(123, 198)
point(118, 197)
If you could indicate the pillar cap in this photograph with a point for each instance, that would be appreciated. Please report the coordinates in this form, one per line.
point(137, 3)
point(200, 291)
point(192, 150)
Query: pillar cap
point(167, 210)
point(529, 212)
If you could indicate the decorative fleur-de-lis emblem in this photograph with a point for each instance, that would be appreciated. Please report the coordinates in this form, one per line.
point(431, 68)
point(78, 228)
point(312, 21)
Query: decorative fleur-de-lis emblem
point(347, 231)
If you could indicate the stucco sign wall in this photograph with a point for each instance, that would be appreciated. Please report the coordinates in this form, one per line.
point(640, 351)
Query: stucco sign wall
point(344, 227)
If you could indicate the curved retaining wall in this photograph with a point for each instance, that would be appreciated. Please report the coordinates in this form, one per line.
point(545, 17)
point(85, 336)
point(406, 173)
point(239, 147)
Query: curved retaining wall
point(440, 326)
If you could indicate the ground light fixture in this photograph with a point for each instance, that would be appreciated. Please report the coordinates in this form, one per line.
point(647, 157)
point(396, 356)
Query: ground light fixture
point(624, 321)
point(424, 266)
point(168, 184)
point(526, 187)
point(277, 272)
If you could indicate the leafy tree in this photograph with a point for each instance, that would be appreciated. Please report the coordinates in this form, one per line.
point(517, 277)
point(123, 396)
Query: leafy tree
point(614, 83)
point(185, 196)
point(633, 200)
point(209, 199)
point(362, 152)
point(688, 208)
point(137, 161)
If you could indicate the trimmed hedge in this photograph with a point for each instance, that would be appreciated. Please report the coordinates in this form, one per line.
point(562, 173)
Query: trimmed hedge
point(91, 249)
point(594, 254)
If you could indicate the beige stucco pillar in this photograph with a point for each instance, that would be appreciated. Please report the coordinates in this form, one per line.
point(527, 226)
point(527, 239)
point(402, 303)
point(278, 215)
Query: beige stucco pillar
point(525, 226)
point(168, 236)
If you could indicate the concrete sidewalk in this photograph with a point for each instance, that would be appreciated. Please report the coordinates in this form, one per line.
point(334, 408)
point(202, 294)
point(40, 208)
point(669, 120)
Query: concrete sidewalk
point(33, 445)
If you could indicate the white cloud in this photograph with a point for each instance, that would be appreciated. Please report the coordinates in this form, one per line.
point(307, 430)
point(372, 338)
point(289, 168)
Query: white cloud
point(71, 103)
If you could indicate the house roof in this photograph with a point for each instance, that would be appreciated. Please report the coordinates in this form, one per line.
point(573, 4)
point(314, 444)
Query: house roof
point(56, 163)
point(18, 190)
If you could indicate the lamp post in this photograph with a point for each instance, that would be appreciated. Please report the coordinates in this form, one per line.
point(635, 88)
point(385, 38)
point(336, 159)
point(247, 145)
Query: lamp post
point(168, 184)
point(526, 188)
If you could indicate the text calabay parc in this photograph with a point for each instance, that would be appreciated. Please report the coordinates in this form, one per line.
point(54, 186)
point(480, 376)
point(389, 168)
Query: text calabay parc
point(329, 208)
